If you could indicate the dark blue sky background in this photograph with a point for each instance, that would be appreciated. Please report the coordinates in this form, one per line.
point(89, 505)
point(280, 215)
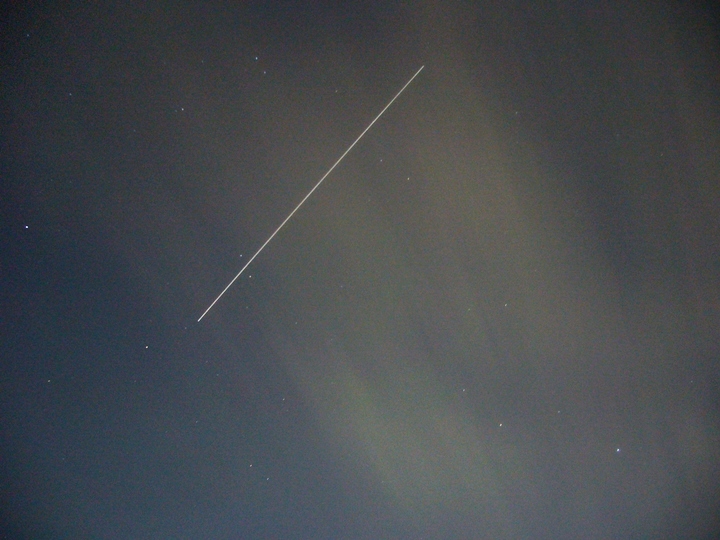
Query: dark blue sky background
point(497, 318)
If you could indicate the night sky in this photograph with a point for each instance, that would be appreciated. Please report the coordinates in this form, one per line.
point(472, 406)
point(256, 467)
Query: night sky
point(498, 317)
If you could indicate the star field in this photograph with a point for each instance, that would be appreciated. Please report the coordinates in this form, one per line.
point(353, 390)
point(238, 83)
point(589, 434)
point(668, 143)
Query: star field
point(496, 318)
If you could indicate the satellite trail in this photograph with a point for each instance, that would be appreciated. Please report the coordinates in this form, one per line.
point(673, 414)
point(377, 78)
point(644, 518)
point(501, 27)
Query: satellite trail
point(310, 193)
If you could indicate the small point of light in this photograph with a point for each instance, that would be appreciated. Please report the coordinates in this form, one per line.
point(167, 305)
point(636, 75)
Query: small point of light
point(500, 425)
point(27, 227)
point(617, 450)
point(146, 346)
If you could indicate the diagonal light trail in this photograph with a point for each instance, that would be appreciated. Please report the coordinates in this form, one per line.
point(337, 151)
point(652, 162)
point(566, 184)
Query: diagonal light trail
point(310, 193)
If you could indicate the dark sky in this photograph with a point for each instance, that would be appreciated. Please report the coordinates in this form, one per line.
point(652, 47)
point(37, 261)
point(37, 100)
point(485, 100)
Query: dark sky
point(498, 318)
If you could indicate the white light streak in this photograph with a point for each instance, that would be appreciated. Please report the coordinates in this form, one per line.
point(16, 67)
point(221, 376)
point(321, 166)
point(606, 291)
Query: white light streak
point(310, 193)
